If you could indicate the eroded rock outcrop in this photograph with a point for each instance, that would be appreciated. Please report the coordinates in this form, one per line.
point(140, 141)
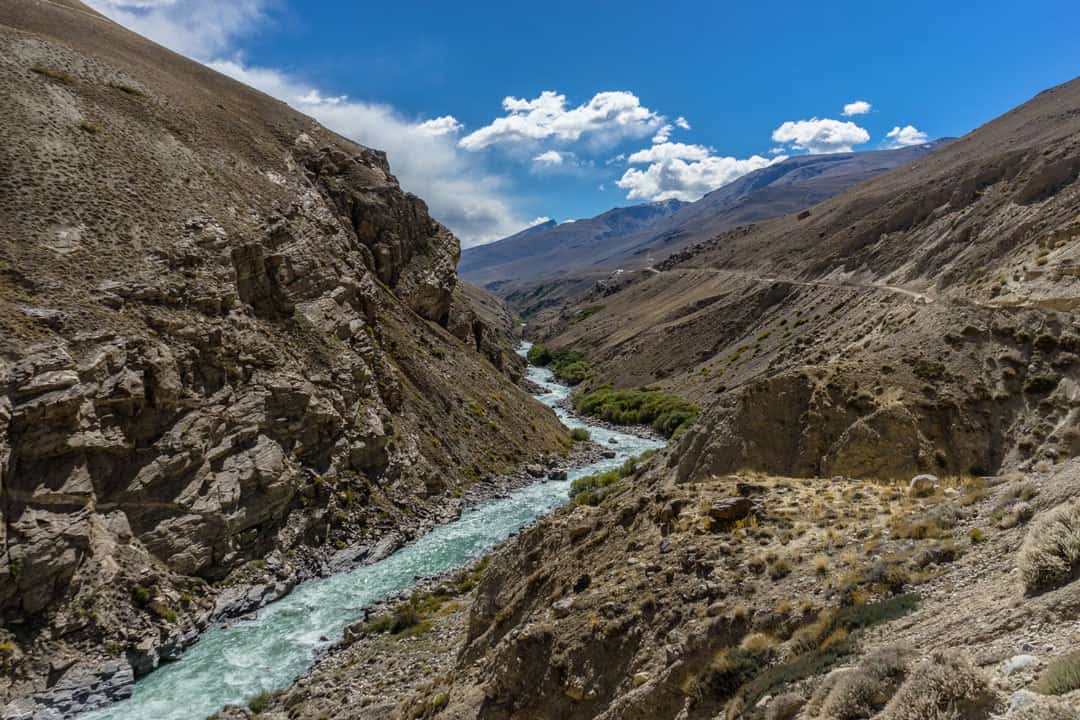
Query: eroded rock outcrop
point(225, 363)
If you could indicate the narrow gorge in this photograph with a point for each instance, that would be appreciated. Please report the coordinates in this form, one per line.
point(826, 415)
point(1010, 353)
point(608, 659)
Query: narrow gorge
point(794, 437)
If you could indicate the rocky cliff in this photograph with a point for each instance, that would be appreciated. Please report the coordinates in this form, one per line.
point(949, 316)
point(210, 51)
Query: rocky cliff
point(226, 358)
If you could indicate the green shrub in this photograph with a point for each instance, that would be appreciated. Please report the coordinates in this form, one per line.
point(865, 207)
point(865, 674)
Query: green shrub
point(539, 355)
point(1050, 555)
point(588, 312)
point(1061, 676)
point(579, 435)
point(589, 490)
point(404, 617)
point(729, 669)
point(668, 414)
point(260, 703)
point(165, 613)
point(141, 595)
point(569, 366)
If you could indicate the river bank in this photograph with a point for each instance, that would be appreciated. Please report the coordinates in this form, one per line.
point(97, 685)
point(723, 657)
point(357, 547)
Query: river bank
point(268, 650)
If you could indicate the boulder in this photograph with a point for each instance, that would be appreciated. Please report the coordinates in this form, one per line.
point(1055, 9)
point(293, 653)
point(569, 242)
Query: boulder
point(922, 485)
point(731, 509)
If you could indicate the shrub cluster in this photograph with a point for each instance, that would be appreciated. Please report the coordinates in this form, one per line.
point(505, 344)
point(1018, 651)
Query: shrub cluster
point(569, 366)
point(579, 435)
point(1050, 555)
point(944, 685)
point(1061, 676)
point(589, 490)
point(668, 414)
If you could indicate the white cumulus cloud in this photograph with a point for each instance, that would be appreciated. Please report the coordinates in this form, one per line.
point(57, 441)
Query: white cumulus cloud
point(663, 135)
point(608, 116)
point(445, 125)
point(200, 29)
point(663, 152)
point(859, 107)
point(551, 157)
point(822, 135)
point(423, 155)
point(906, 136)
point(684, 172)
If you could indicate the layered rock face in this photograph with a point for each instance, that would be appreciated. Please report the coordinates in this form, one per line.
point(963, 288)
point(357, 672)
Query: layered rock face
point(224, 341)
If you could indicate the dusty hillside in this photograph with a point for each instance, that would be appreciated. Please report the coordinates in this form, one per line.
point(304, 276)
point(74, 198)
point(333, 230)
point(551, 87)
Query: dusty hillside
point(225, 354)
point(764, 597)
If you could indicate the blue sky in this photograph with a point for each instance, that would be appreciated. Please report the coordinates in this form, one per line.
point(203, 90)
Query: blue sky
point(500, 113)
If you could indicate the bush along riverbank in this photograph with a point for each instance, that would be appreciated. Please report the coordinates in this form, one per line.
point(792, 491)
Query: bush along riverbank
point(591, 489)
point(568, 366)
point(668, 414)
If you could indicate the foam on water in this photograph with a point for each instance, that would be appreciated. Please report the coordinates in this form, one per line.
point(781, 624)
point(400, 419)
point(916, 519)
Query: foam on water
point(230, 664)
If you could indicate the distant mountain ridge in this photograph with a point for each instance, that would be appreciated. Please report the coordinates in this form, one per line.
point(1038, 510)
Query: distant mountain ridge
point(545, 238)
point(642, 234)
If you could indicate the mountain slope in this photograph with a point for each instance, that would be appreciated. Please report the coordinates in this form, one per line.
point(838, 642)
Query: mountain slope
point(962, 265)
point(779, 560)
point(581, 246)
point(226, 363)
point(552, 246)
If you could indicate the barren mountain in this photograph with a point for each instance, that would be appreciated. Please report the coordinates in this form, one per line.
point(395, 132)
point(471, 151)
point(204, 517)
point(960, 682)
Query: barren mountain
point(640, 235)
point(555, 248)
point(234, 354)
point(779, 560)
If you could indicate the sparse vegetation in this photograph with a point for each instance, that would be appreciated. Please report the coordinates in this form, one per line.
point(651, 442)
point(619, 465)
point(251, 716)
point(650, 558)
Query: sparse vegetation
point(1061, 676)
point(929, 370)
point(579, 435)
point(1050, 555)
point(944, 685)
point(1041, 384)
point(860, 692)
point(667, 414)
point(405, 618)
point(569, 366)
point(56, 75)
point(260, 703)
point(141, 595)
point(127, 89)
point(7, 654)
point(590, 490)
point(588, 312)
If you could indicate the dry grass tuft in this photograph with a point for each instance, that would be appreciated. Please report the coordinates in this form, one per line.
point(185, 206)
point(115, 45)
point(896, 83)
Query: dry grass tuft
point(944, 686)
point(1061, 676)
point(1050, 555)
point(862, 691)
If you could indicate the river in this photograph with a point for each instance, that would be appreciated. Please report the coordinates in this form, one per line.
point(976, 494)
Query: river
point(230, 664)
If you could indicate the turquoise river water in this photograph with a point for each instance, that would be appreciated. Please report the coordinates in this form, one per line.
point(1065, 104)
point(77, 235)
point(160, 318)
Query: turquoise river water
point(230, 664)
